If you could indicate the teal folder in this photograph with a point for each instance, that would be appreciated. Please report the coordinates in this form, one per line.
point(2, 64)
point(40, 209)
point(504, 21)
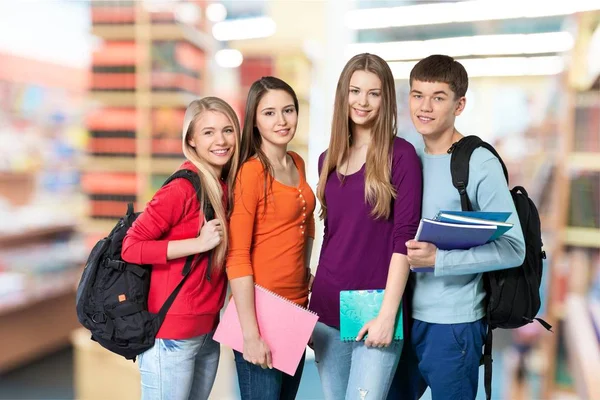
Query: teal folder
point(358, 307)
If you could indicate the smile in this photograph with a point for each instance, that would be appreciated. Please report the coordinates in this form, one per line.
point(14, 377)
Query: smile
point(220, 152)
point(361, 113)
point(425, 120)
point(283, 132)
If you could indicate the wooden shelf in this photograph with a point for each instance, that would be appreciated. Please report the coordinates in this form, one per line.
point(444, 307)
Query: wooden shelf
point(33, 234)
point(162, 166)
point(98, 226)
point(585, 161)
point(583, 348)
point(583, 237)
point(158, 32)
point(156, 99)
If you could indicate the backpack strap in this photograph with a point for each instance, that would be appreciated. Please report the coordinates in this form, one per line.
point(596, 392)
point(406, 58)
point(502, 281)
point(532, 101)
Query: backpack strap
point(459, 169)
point(459, 165)
point(169, 302)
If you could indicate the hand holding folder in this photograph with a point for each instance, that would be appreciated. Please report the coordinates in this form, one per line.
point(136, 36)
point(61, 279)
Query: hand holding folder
point(283, 325)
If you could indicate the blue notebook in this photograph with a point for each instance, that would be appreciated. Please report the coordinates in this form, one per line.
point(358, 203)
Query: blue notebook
point(478, 218)
point(357, 307)
point(452, 236)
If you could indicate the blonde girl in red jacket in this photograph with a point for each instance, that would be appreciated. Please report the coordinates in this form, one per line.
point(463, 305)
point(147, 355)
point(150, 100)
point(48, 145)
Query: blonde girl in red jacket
point(183, 362)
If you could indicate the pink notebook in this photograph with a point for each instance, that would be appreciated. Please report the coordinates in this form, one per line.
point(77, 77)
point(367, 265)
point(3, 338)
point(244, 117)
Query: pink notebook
point(285, 327)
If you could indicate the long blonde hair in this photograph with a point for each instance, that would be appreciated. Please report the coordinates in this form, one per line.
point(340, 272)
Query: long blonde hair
point(209, 182)
point(379, 191)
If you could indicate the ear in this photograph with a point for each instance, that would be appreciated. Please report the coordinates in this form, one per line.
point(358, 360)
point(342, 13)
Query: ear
point(191, 142)
point(460, 106)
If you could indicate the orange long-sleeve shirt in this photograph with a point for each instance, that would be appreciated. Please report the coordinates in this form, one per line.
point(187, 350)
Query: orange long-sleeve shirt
point(270, 244)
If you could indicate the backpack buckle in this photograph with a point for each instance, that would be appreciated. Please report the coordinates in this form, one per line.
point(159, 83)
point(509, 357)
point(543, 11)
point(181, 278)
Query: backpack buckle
point(462, 188)
point(117, 264)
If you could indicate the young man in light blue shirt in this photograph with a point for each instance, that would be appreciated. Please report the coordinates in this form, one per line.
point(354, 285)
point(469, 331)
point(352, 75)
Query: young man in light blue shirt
point(444, 345)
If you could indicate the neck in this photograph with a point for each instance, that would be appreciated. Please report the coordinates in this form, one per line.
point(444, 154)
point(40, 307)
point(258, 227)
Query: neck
point(439, 144)
point(217, 170)
point(361, 135)
point(277, 155)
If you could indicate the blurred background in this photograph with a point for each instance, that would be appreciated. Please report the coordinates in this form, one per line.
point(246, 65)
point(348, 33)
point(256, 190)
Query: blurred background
point(92, 96)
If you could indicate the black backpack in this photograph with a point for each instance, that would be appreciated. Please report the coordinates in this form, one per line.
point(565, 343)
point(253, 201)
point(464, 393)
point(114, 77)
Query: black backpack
point(112, 296)
point(513, 295)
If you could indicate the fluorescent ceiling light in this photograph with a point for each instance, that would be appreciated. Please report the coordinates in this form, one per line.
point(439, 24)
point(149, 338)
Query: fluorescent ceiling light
point(482, 45)
point(465, 11)
point(229, 58)
point(216, 12)
point(246, 28)
point(495, 66)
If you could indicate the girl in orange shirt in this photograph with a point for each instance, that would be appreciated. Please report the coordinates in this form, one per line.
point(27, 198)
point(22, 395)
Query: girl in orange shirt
point(271, 231)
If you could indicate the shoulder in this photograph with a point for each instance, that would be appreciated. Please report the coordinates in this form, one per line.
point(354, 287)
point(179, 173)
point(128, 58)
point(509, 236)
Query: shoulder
point(481, 156)
point(250, 171)
point(298, 160)
point(403, 151)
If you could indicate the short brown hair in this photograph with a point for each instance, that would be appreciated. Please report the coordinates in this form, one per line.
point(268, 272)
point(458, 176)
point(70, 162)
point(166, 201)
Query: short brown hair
point(441, 68)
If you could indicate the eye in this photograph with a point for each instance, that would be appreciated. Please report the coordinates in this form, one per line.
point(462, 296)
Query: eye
point(208, 132)
point(438, 98)
point(269, 113)
point(375, 94)
point(289, 110)
point(354, 91)
point(229, 130)
point(417, 96)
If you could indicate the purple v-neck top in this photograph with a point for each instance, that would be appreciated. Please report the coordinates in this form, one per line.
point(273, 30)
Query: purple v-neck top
point(357, 249)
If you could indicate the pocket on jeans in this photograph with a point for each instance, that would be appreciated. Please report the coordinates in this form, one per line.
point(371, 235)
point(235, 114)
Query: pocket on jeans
point(458, 331)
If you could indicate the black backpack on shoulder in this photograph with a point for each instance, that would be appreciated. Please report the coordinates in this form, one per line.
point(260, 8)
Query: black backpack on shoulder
point(513, 295)
point(112, 296)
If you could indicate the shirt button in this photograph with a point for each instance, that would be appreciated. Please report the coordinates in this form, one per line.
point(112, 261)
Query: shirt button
point(304, 208)
point(302, 232)
point(304, 201)
point(303, 214)
point(301, 226)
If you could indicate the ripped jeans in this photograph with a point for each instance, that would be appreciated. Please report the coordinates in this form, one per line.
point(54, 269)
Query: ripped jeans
point(350, 370)
point(179, 369)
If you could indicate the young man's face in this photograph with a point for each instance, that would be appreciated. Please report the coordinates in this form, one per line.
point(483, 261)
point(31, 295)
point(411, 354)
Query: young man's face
point(434, 107)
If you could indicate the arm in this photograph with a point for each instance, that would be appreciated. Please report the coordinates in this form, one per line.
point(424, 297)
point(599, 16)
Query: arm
point(505, 252)
point(239, 266)
point(492, 194)
point(407, 179)
point(142, 244)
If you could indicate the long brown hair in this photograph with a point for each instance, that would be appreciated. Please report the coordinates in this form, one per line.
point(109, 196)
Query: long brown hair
point(251, 139)
point(210, 183)
point(379, 191)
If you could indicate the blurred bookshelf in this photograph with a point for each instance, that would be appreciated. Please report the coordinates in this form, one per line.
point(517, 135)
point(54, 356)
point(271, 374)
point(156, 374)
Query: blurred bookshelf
point(149, 66)
point(571, 355)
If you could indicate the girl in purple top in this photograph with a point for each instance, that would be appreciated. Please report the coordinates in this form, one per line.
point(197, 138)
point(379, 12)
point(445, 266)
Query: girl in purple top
point(370, 194)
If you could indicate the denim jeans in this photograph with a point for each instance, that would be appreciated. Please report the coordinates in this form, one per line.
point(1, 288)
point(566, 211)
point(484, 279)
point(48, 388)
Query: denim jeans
point(179, 369)
point(257, 383)
point(351, 370)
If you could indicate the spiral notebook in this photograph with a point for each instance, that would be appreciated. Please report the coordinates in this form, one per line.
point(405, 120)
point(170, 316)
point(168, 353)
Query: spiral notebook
point(358, 307)
point(284, 326)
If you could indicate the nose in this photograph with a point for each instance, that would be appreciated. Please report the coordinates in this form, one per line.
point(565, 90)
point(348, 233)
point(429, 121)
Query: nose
point(220, 138)
point(363, 100)
point(281, 119)
point(426, 105)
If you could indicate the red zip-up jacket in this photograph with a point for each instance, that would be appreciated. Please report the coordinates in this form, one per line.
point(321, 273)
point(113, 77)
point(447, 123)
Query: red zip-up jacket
point(174, 214)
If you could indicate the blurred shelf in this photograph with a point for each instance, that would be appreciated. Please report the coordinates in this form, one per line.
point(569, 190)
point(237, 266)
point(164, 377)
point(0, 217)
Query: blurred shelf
point(585, 161)
point(38, 320)
point(583, 348)
point(594, 307)
point(163, 166)
point(157, 99)
point(158, 32)
point(583, 237)
point(98, 226)
point(34, 234)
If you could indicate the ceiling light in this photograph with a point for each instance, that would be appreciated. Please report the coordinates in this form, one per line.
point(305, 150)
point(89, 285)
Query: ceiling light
point(246, 28)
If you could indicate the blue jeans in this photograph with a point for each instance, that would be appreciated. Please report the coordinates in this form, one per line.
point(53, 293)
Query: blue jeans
point(257, 383)
point(350, 370)
point(445, 357)
point(179, 369)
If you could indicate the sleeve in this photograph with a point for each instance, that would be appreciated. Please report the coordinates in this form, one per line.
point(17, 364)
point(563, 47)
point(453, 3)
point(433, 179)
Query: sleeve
point(143, 244)
point(508, 251)
point(246, 197)
point(407, 178)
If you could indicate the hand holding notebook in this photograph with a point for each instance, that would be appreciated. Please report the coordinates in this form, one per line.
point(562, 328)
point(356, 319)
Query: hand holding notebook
point(284, 326)
point(357, 307)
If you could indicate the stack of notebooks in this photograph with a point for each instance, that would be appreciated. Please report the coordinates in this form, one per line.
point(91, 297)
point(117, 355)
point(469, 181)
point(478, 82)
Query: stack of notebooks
point(461, 230)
